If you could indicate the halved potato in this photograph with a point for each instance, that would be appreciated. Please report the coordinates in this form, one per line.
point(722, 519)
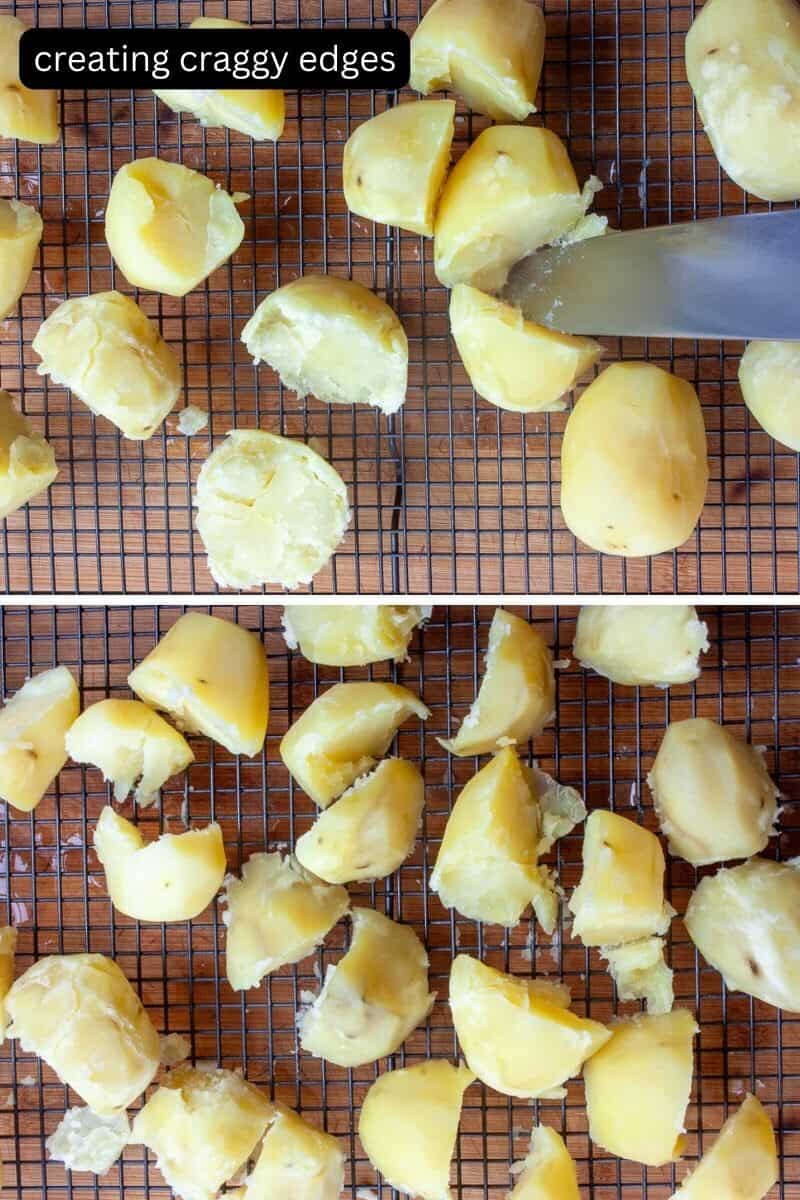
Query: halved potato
point(84, 1141)
point(24, 114)
point(640, 973)
point(27, 461)
point(8, 946)
point(20, 234)
point(33, 725)
point(769, 376)
point(641, 644)
point(351, 635)
point(295, 1162)
point(743, 1161)
point(548, 1172)
point(211, 676)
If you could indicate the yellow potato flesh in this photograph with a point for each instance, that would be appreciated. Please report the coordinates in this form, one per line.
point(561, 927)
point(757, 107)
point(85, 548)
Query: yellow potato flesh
point(24, 114)
point(277, 914)
point(20, 233)
point(370, 831)
point(343, 733)
point(84, 1141)
point(80, 1014)
point(712, 792)
point(332, 338)
point(638, 1085)
point(169, 227)
point(8, 945)
point(409, 1124)
point(210, 675)
point(489, 53)
point(33, 725)
point(516, 1039)
point(351, 635)
point(27, 462)
point(769, 376)
point(269, 510)
point(296, 1162)
point(640, 973)
point(634, 465)
point(112, 356)
point(511, 362)
point(743, 64)
point(548, 1170)
point(742, 1164)
point(641, 644)
point(394, 165)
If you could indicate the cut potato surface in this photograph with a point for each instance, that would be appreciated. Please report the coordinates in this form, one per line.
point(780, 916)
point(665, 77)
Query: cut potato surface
point(20, 234)
point(84, 1141)
point(33, 725)
point(27, 462)
point(548, 1172)
point(640, 973)
point(351, 635)
point(769, 376)
point(8, 946)
point(641, 644)
point(24, 114)
point(295, 1162)
point(742, 1164)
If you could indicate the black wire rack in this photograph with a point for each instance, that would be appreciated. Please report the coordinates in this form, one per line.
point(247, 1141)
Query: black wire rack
point(603, 742)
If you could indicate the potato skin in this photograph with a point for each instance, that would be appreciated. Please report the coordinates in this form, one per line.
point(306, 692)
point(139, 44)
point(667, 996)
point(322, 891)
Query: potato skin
point(641, 644)
point(24, 114)
point(20, 234)
point(769, 376)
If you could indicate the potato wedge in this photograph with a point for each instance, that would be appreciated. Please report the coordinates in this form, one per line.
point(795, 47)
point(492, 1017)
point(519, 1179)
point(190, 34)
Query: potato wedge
point(769, 376)
point(27, 462)
point(743, 1161)
point(641, 644)
point(33, 724)
point(21, 231)
point(548, 1172)
point(8, 946)
point(84, 1141)
point(641, 973)
point(24, 114)
point(351, 635)
point(296, 1162)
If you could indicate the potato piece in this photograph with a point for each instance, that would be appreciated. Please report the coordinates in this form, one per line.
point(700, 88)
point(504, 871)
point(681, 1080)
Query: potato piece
point(641, 644)
point(371, 830)
point(409, 1124)
point(211, 676)
point(769, 376)
point(548, 1172)
point(517, 696)
point(27, 462)
point(112, 356)
point(343, 733)
point(712, 792)
point(489, 53)
point(84, 1141)
point(640, 973)
point(33, 724)
point(746, 922)
point(634, 465)
point(511, 362)
point(394, 164)
point(269, 510)
point(743, 65)
point(168, 227)
point(517, 1039)
point(351, 635)
point(24, 114)
point(742, 1164)
point(20, 234)
point(202, 1126)
point(277, 914)
point(296, 1162)
point(638, 1085)
point(80, 1014)
point(332, 338)
point(8, 946)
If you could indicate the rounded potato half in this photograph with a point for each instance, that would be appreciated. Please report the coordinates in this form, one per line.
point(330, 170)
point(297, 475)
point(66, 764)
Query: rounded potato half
point(20, 234)
point(742, 1162)
point(27, 461)
point(351, 635)
point(548, 1171)
point(24, 114)
point(769, 376)
point(641, 644)
point(296, 1162)
point(33, 725)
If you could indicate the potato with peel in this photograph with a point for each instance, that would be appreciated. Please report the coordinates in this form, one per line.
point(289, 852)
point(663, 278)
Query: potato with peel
point(8, 946)
point(343, 733)
point(211, 676)
point(548, 1172)
point(27, 462)
point(20, 234)
point(409, 1125)
point(742, 1164)
point(769, 376)
point(638, 1086)
point(641, 645)
point(296, 1162)
point(31, 116)
point(351, 635)
point(640, 973)
point(33, 725)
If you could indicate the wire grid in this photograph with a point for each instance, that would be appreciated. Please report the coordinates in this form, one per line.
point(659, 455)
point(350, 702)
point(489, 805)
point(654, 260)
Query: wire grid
point(603, 742)
point(452, 494)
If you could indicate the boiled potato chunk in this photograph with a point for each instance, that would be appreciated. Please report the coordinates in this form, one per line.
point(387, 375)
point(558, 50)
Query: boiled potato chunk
point(638, 1085)
point(269, 510)
point(634, 463)
point(84, 1141)
point(489, 53)
point(548, 1172)
point(351, 635)
point(202, 1126)
point(171, 879)
point(8, 946)
point(769, 376)
point(641, 644)
point(746, 922)
point(332, 338)
point(20, 233)
point(24, 114)
point(33, 725)
point(295, 1162)
point(343, 733)
point(517, 696)
point(80, 1014)
point(169, 227)
point(517, 1039)
point(210, 675)
point(370, 831)
point(372, 998)
point(409, 1124)
point(27, 462)
point(129, 743)
point(112, 356)
point(277, 914)
point(511, 362)
point(743, 64)
point(640, 973)
point(712, 792)
point(742, 1164)
point(394, 165)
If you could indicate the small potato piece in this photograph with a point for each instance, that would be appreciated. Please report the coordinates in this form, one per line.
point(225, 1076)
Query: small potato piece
point(489, 53)
point(640, 973)
point(210, 675)
point(277, 914)
point(641, 644)
point(269, 510)
point(33, 724)
point(351, 635)
point(202, 1126)
point(24, 114)
point(517, 1038)
point(84, 1141)
point(129, 742)
point(769, 376)
point(511, 362)
point(712, 792)
point(20, 234)
point(743, 65)
point(409, 1124)
point(394, 164)
point(742, 1164)
point(112, 356)
point(634, 464)
point(517, 696)
point(8, 945)
point(80, 1014)
point(27, 462)
point(371, 830)
point(638, 1085)
point(332, 338)
point(343, 733)
point(296, 1162)
point(548, 1172)
point(169, 227)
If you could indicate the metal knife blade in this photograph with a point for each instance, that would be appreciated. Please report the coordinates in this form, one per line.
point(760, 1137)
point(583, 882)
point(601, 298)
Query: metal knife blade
point(728, 277)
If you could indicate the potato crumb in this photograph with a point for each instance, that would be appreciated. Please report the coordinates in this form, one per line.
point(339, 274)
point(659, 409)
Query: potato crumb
point(191, 420)
point(85, 1141)
point(174, 1048)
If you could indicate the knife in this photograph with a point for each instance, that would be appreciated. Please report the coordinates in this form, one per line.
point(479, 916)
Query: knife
point(728, 277)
